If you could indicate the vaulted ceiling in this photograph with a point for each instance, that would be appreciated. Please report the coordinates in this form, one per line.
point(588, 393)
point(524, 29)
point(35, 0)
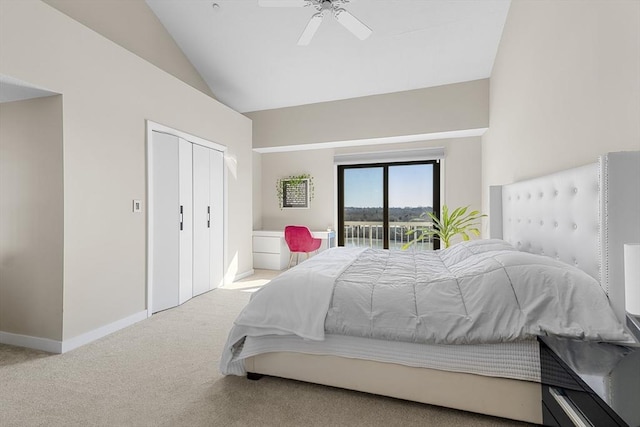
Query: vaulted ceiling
point(248, 58)
point(248, 54)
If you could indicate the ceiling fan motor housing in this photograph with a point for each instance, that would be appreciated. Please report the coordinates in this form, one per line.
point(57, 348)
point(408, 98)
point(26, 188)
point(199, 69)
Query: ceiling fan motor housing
point(325, 7)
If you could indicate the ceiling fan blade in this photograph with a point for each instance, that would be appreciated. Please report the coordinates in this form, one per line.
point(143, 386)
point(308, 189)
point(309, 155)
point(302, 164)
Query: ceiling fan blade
point(353, 24)
point(310, 30)
point(283, 3)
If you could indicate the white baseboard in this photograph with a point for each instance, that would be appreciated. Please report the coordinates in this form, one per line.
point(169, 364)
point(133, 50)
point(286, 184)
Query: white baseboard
point(36, 343)
point(87, 337)
point(243, 275)
point(53, 346)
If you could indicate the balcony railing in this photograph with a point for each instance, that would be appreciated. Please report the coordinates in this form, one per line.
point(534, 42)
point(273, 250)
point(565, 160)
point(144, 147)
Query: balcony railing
point(370, 234)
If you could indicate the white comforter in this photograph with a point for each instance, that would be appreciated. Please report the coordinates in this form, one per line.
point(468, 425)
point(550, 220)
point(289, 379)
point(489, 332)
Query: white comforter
point(482, 291)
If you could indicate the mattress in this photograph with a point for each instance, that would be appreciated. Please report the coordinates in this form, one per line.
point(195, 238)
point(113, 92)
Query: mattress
point(516, 360)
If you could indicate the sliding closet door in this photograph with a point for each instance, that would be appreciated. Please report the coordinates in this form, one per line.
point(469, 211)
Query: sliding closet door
point(187, 243)
point(165, 250)
point(185, 157)
point(208, 221)
point(217, 217)
point(201, 219)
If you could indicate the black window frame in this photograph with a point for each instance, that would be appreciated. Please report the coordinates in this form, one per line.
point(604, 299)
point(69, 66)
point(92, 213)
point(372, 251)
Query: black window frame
point(385, 203)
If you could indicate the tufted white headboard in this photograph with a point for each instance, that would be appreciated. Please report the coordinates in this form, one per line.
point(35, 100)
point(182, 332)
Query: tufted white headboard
point(581, 216)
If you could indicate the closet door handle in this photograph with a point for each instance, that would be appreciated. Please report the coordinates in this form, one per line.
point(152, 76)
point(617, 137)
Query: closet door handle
point(181, 217)
point(208, 216)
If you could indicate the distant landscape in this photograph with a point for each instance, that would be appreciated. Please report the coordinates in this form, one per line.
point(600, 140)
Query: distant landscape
point(395, 214)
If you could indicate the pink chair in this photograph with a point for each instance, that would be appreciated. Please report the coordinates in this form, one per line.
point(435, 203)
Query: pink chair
point(299, 239)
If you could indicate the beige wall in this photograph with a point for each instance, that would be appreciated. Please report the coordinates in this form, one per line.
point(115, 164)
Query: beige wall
point(462, 173)
point(31, 217)
point(444, 108)
point(453, 107)
point(565, 87)
point(108, 94)
point(317, 163)
point(461, 176)
point(134, 26)
point(257, 191)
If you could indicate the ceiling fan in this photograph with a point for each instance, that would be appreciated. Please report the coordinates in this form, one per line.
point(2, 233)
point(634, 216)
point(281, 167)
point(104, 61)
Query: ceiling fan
point(323, 7)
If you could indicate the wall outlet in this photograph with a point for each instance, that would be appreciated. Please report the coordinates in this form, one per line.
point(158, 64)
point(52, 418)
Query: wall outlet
point(137, 205)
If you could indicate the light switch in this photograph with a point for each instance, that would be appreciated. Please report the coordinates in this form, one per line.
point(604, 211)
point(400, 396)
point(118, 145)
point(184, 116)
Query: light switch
point(137, 205)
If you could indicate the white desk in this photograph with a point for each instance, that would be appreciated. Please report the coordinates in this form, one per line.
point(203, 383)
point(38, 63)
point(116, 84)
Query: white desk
point(271, 252)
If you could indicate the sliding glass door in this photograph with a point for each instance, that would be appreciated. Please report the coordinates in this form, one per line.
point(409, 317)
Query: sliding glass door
point(378, 204)
point(363, 212)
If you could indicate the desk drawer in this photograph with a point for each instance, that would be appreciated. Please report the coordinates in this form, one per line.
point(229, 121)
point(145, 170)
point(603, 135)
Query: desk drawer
point(270, 245)
point(269, 261)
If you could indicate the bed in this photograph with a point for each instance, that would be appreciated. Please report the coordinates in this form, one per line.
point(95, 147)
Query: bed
point(574, 222)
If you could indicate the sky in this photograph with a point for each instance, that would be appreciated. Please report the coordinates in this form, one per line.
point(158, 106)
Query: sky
point(409, 186)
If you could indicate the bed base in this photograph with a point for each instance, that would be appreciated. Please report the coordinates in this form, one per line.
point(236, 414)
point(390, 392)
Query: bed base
point(501, 397)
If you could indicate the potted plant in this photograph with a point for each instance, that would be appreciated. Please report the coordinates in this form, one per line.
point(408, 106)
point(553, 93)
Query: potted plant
point(458, 222)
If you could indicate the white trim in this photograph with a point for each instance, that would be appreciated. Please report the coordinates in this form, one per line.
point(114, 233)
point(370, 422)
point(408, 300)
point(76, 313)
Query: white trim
point(36, 343)
point(102, 331)
point(53, 346)
point(150, 128)
point(374, 141)
point(243, 275)
point(432, 153)
point(153, 126)
point(225, 213)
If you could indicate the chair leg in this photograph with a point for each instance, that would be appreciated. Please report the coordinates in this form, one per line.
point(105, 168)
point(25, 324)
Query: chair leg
point(290, 260)
point(307, 255)
point(297, 258)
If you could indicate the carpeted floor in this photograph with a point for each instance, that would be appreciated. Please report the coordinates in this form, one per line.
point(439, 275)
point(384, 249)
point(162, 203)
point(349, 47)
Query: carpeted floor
point(163, 371)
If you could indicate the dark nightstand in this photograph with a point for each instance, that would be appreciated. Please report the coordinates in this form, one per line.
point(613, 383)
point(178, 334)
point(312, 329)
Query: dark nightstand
point(589, 384)
point(633, 324)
